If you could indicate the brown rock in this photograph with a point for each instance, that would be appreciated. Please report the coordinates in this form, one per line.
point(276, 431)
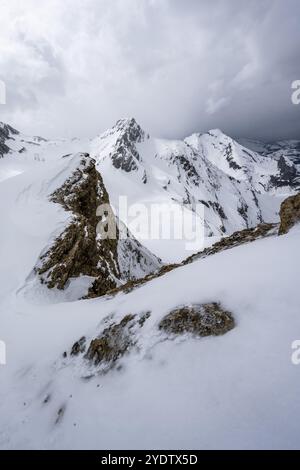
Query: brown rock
point(200, 320)
point(289, 213)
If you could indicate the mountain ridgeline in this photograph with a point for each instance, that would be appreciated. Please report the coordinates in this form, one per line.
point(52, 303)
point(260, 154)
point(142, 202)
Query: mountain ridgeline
point(229, 186)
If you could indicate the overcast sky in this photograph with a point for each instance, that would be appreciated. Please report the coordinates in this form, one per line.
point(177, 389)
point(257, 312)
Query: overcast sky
point(73, 67)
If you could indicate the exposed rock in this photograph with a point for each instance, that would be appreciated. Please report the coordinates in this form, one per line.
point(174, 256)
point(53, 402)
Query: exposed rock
point(219, 209)
point(287, 174)
point(77, 251)
point(79, 346)
point(126, 156)
point(60, 414)
point(143, 318)
point(229, 158)
point(237, 238)
point(81, 249)
point(6, 132)
point(243, 210)
point(289, 213)
point(188, 167)
point(47, 399)
point(200, 320)
point(113, 343)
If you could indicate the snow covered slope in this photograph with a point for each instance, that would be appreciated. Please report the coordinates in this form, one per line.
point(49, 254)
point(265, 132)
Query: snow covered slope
point(228, 186)
point(287, 148)
point(239, 390)
point(223, 184)
point(199, 357)
point(49, 233)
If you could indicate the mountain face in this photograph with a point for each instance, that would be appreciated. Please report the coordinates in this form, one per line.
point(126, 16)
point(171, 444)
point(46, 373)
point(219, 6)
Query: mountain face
point(81, 250)
point(7, 134)
point(223, 184)
point(276, 150)
point(226, 185)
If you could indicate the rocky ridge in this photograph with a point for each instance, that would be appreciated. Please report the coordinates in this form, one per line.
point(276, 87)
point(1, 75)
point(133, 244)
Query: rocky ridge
point(80, 249)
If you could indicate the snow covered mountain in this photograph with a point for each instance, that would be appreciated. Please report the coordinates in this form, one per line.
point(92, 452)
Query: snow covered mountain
point(74, 260)
point(179, 359)
point(226, 185)
point(109, 347)
point(223, 184)
point(282, 148)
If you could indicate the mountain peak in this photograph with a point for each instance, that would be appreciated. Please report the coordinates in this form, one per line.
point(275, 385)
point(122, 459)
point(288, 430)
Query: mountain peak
point(131, 128)
point(6, 128)
point(127, 121)
point(215, 131)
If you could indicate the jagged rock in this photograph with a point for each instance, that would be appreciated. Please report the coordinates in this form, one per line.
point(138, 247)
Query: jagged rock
point(6, 132)
point(126, 156)
point(200, 320)
point(287, 174)
point(219, 209)
point(113, 343)
point(81, 249)
point(78, 347)
point(236, 239)
point(229, 158)
point(242, 209)
point(77, 251)
point(289, 213)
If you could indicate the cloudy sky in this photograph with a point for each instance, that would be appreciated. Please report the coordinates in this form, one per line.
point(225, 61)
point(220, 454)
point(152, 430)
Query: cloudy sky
point(74, 67)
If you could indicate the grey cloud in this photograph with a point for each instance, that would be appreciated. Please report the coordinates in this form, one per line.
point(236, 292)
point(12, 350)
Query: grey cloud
point(74, 67)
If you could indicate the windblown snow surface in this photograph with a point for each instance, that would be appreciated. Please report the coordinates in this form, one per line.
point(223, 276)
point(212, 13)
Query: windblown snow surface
point(240, 390)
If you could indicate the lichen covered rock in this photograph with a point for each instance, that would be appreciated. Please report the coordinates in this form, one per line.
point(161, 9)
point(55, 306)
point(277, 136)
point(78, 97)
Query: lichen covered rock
point(289, 213)
point(113, 343)
point(199, 320)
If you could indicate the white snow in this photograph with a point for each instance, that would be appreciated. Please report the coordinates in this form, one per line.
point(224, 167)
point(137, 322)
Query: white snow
point(240, 390)
point(235, 391)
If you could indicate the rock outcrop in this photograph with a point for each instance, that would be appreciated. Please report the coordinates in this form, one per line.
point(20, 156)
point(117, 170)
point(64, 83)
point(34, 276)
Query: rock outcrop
point(289, 213)
point(6, 132)
point(81, 249)
point(287, 175)
point(126, 156)
point(112, 344)
point(199, 320)
point(237, 238)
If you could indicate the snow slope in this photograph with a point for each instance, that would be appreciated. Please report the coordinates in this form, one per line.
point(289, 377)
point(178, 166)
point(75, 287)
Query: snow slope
point(227, 186)
point(239, 390)
point(287, 148)
point(221, 183)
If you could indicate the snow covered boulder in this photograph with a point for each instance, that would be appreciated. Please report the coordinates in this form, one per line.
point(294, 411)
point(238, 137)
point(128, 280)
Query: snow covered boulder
point(199, 320)
point(112, 343)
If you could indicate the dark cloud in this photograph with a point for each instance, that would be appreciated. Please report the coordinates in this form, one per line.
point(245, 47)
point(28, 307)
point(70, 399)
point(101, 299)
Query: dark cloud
point(75, 67)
